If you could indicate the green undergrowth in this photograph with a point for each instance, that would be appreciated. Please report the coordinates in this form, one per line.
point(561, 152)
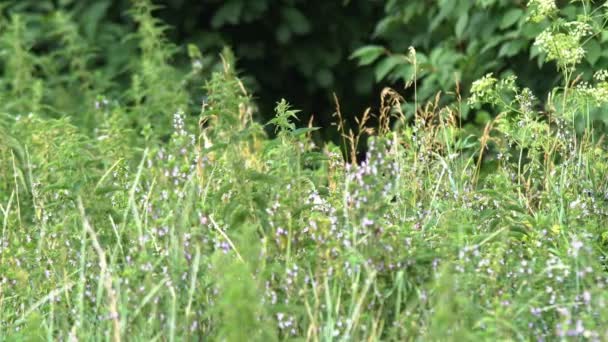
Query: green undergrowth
point(142, 214)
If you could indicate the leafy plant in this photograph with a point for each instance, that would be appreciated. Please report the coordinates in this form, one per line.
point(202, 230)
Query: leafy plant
point(451, 48)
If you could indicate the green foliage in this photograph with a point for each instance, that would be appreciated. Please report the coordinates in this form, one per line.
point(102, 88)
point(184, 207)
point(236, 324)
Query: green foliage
point(137, 212)
point(301, 43)
point(284, 113)
point(307, 46)
point(460, 41)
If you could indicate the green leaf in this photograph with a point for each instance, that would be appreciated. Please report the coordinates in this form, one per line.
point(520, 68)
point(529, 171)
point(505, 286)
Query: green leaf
point(230, 12)
point(194, 53)
point(534, 51)
point(447, 8)
point(511, 48)
point(511, 17)
point(461, 25)
point(386, 65)
point(298, 23)
point(366, 55)
point(404, 72)
point(492, 43)
point(384, 25)
point(594, 51)
point(314, 157)
point(283, 34)
point(530, 30)
point(283, 114)
point(92, 17)
point(304, 130)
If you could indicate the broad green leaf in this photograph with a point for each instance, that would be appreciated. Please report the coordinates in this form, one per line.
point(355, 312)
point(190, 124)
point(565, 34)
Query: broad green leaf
point(511, 17)
point(298, 23)
point(404, 72)
point(593, 51)
point(447, 7)
point(366, 55)
point(511, 48)
point(386, 65)
point(534, 52)
point(492, 43)
point(230, 12)
point(385, 25)
point(530, 30)
point(461, 25)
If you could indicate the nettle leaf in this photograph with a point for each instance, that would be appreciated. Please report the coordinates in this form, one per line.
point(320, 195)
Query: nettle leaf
point(387, 65)
point(366, 55)
point(511, 17)
point(593, 51)
point(283, 115)
point(301, 131)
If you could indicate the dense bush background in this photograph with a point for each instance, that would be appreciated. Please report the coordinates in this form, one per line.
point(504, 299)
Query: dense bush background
point(301, 49)
point(297, 48)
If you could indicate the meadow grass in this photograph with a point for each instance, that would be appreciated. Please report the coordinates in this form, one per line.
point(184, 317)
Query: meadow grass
point(138, 213)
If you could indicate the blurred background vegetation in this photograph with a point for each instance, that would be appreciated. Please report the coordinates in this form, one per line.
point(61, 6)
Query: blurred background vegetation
point(307, 50)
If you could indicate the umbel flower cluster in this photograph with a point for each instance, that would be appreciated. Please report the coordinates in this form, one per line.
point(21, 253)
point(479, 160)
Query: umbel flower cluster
point(542, 9)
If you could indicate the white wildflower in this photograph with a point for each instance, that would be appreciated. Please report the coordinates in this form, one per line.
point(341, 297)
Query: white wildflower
point(541, 9)
point(563, 48)
point(601, 75)
point(481, 88)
